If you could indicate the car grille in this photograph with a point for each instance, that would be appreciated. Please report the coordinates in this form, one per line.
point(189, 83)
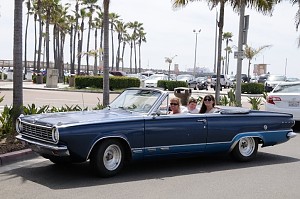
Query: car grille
point(38, 132)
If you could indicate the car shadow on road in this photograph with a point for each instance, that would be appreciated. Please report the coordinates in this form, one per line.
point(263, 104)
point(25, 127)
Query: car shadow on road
point(79, 175)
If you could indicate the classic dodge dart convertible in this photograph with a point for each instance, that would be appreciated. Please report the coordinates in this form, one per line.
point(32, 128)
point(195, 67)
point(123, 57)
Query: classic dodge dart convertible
point(136, 125)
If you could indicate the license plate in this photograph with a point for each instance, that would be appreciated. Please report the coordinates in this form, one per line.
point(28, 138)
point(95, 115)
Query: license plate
point(294, 104)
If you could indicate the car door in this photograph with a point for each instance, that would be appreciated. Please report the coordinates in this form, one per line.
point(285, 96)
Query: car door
point(174, 134)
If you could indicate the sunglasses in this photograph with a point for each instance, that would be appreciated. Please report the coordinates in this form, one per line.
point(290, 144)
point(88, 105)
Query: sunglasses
point(173, 104)
point(207, 99)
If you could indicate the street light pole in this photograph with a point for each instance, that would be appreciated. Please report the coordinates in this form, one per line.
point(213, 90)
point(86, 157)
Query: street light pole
point(195, 60)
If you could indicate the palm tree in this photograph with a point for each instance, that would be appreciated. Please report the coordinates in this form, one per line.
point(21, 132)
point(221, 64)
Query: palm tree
point(135, 26)
point(17, 62)
point(126, 40)
point(106, 52)
point(297, 17)
point(121, 30)
point(228, 49)
point(250, 53)
point(91, 8)
point(263, 6)
point(28, 6)
point(141, 38)
point(227, 37)
point(80, 40)
point(113, 17)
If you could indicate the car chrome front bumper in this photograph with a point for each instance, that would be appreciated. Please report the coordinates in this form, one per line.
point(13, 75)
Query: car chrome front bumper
point(43, 148)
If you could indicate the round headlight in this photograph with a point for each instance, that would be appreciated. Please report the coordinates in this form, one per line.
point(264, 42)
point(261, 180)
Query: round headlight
point(19, 125)
point(55, 135)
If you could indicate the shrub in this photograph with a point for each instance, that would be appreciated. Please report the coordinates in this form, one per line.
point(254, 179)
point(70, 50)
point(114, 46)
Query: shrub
point(252, 88)
point(115, 82)
point(170, 85)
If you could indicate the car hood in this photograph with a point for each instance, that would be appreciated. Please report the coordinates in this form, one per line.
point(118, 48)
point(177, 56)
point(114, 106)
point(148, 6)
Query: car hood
point(81, 117)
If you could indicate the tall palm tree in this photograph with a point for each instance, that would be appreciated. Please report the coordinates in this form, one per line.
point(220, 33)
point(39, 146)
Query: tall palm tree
point(17, 62)
point(135, 26)
point(113, 18)
point(80, 39)
point(121, 30)
point(263, 6)
point(106, 52)
point(91, 6)
point(126, 40)
point(141, 38)
point(227, 37)
point(250, 53)
point(28, 6)
point(228, 49)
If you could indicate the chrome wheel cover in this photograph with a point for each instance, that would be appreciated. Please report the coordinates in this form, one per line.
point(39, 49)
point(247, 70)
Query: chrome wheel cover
point(247, 146)
point(112, 157)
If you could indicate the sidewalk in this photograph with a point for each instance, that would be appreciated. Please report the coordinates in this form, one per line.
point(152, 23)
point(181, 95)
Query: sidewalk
point(8, 85)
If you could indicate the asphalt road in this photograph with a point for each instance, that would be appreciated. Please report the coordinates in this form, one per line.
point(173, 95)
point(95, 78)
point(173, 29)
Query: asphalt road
point(273, 174)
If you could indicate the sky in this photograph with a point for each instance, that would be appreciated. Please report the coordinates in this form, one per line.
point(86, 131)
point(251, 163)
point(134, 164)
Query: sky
point(169, 32)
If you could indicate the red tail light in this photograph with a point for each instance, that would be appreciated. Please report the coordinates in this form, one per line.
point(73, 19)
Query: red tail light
point(273, 99)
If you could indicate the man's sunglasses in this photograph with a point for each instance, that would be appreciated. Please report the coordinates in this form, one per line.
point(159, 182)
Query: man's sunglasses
point(173, 104)
point(207, 99)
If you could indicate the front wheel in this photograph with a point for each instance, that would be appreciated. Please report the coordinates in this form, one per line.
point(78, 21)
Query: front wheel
point(245, 149)
point(108, 158)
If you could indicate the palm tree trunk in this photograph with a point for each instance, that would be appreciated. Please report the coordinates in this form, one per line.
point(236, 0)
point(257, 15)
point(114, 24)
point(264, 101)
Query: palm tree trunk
point(26, 32)
point(106, 53)
point(96, 52)
point(220, 24)
point(17, 63)
point(112, 47)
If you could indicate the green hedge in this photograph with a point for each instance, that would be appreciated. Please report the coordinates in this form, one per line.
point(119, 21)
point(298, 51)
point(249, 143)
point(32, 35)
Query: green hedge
point(252, 88)
point(115, 82)
point(170, 85)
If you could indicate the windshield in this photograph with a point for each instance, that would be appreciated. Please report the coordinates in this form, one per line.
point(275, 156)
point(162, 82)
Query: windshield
point(136, 100)
point(288, 88)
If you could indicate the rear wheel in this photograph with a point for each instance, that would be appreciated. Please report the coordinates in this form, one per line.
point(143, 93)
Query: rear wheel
point(108, 158)
point(245, 149)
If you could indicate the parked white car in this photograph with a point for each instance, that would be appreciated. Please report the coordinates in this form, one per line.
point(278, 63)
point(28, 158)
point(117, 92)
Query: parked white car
point(224, 82)
point(272, 81)
point(285, 98)
point(153, 79)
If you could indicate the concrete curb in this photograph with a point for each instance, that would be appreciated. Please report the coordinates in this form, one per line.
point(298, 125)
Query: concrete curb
point(16, 156)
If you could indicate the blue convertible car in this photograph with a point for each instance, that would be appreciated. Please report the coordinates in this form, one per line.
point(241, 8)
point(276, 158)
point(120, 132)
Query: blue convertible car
point(136, 126)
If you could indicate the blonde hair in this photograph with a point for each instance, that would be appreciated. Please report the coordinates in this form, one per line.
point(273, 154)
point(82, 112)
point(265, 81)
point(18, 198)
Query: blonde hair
point(178, 101)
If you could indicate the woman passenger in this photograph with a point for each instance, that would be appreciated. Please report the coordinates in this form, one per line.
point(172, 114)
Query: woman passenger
point(175, 105)
point(208, 105)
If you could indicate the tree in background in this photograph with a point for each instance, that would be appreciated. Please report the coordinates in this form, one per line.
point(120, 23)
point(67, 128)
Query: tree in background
point(250, 53)
point(227, 37)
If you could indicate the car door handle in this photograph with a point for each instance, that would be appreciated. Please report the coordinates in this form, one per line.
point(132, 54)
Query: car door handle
point(202, 120)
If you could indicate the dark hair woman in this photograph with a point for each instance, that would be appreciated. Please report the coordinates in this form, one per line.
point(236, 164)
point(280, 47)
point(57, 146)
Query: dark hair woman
point(208, 104)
